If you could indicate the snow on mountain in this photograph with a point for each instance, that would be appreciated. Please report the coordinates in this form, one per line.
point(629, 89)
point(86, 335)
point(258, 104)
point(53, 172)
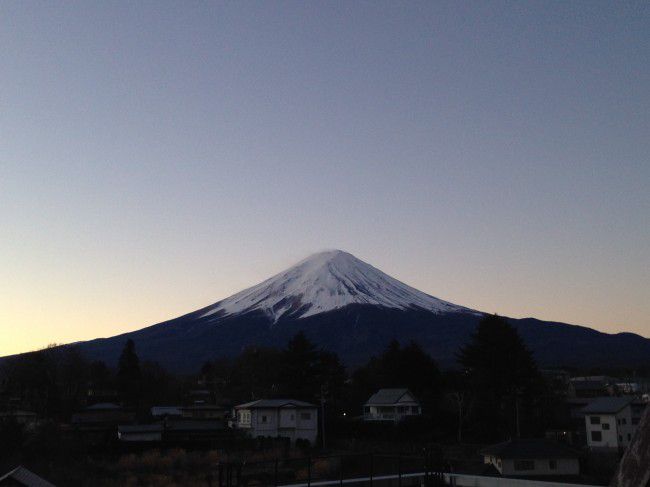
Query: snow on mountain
point(327, 281)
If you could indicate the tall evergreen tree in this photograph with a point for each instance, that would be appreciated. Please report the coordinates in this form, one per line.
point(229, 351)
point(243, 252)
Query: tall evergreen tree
point(502, 376)
point(128, 375)
point(301, 368)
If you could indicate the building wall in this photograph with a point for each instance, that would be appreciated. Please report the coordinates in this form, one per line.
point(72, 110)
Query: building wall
point(609, 437)
point(461, 480)
point(286, 422)
point(620, 433)
point(564, 466)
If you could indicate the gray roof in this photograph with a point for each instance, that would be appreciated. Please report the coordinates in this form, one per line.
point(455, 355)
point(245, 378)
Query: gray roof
point(530, 449)
point(275, 403)
point(26, 478)
point(173, 425)
point(388, 396)
point(607, 405)
point(190, 425)
point(202, 407)
point(140, 428)
point(103, 406)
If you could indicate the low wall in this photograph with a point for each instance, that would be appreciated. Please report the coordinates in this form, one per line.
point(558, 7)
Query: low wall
point(460, 480)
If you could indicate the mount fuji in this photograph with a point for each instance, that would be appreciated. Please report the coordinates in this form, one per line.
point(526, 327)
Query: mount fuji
point(348, 306)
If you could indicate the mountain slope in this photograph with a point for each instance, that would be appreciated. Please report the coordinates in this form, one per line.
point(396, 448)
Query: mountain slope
point(353, 309)
point(324, 282)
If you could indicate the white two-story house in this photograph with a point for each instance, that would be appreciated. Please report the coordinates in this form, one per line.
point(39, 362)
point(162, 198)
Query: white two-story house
point(285, 418)
point(391, 405)
point(612, 421)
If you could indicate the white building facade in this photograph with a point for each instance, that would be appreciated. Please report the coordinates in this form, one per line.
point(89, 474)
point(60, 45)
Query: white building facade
point(611, 422)
point(284, 418)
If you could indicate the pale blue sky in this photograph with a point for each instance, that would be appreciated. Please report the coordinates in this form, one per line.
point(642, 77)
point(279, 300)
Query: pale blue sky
point(157, 156)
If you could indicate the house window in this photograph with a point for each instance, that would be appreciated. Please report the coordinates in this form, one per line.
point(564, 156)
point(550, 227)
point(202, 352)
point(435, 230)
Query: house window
point(263, 419)
point(552, 464)
point(596, 436)
point(605, 426)
point(623, 420)
point(524, 464)
point(292, 416)
point(415, 410)
point(594, 419)
point(305, 416)
point(635, 420)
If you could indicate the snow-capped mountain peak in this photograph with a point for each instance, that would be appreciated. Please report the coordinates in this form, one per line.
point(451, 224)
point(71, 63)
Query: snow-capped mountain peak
point(327, 281)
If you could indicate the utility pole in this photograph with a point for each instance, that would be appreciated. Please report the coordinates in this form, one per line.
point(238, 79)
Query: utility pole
point(323, 391)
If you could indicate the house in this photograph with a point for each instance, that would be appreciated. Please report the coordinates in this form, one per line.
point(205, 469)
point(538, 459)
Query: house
point(174, 431)
point(104, 413)
point(634, 467)
point(159, 412)
point(532, 458)
point(26, 418)
point(141, 433)
point(610, 422)
point(391, 405)
point(20, 476)
point(286, 418)
point(204, 411)
point(97, 424)
point(591, 386)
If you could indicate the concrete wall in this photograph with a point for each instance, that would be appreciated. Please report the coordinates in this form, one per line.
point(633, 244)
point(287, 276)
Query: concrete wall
point(564, 466)
point(460, 480)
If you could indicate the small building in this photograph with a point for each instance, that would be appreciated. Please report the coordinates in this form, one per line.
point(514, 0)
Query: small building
point(140, 433)
point(104, 413)
point(391, 405)
point(284, 418)
point(532, 458)
point(205, 411)
point(591, 386)
point(174, 431)
point(611, 422)
point(20, 476)
point(26, 418)
point(159, 412)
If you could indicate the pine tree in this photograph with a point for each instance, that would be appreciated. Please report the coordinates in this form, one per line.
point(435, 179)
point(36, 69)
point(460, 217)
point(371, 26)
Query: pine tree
point(128, 375)
point(502, 376)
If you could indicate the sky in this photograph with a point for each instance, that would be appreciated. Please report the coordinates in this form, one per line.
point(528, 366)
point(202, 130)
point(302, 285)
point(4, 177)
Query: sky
point(156, 157)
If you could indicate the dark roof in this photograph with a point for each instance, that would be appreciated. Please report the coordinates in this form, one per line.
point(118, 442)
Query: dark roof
point(139, 428)
point(26, 478)
point(607, 405)
point(388, 396)
point(103, 406)
point(172, 425)
point(275, 403)
point(189, 425)
point(530, 448)
point(589, 385)
point(202, 407)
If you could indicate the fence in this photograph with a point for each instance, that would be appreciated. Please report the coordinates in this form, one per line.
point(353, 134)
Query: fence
point(372, 470)
point(363, 470)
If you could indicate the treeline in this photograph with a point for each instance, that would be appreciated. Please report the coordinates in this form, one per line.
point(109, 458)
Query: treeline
point(496, 391)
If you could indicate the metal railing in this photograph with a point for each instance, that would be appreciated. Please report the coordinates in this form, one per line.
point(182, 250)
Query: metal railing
point(368, 469)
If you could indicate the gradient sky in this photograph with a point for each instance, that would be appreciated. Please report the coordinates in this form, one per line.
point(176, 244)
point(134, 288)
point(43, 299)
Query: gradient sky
point(156, 157)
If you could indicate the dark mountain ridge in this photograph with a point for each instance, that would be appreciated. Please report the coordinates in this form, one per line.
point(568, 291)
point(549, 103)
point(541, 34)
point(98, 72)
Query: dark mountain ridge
point(349, 307)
